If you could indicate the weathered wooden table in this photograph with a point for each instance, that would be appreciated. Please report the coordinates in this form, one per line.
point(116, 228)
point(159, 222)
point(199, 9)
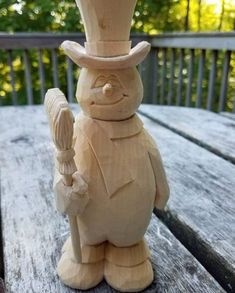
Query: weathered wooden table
point(192, 242)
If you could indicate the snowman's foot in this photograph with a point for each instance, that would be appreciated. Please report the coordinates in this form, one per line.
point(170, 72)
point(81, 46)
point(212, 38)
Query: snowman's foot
point(127, 256)
point(129, 279)
point(82, 276)
point(90, 253)
point(128, 269)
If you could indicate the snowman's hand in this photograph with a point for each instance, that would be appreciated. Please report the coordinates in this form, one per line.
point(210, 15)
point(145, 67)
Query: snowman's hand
point(71, 200)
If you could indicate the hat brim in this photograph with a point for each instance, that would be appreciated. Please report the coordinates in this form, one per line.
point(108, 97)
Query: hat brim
point(79, 56)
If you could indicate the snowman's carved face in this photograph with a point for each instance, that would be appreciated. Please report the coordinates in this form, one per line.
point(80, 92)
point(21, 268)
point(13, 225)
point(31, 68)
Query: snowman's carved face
point(109, 94)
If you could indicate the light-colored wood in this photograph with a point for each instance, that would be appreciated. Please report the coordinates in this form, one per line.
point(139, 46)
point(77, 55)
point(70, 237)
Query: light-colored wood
point(113, 153)
point(129, 279)
point(111, 22)
point(127, 93)
point(61, 124)
point(27, 201)
point(107, 26)
point(105, 23)
point(127, 257)
point(79, 55)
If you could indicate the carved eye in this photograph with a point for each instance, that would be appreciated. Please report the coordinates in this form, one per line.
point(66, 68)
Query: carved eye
point(114, 82)
point(100, 82)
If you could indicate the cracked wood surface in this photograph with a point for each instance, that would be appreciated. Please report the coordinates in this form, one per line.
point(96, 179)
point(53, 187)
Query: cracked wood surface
point(201, 208)
point(33, 232)
point(210, 130)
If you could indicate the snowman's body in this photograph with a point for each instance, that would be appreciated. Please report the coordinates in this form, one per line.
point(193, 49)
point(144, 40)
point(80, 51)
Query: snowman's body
point(122, 168)
point(120, 175)
point(122, 192)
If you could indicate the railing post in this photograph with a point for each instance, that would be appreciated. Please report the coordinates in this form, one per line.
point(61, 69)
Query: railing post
point(172, 78)
point(163, 77)
point(190, 79)
point(211, 89)
point(28, 78)
point(149, 76)
point(70, 80)
point(224, 83)
point(12, 76)
point(200, 78)
point(41, 75)
point(180, 77)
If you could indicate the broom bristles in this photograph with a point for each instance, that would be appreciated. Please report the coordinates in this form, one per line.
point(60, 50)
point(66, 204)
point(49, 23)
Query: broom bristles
point(61, 124)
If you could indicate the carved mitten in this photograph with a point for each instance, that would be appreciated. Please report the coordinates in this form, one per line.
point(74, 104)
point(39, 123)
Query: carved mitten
point(71, 200)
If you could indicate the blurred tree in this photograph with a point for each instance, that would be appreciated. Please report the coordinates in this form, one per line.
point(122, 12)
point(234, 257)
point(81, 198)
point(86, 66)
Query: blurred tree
point(151, 16)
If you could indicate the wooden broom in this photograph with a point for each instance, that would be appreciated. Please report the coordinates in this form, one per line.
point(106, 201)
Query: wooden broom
point(61, 124)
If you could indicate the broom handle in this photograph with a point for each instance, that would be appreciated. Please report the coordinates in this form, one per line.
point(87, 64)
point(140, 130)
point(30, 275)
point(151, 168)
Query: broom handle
point(75, 237)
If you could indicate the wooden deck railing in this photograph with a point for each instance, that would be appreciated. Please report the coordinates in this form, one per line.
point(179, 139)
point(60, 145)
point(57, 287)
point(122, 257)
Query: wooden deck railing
point(188, 69)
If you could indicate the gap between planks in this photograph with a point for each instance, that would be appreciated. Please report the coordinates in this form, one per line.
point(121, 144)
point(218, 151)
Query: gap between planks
point(188, 137)
point(198, 248)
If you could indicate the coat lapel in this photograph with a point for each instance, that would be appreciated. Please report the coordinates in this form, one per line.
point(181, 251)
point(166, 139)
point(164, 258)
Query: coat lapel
point(112, 163)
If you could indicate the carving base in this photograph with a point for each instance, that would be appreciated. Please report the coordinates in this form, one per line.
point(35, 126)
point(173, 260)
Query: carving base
point(129, 279)
point(79, 276)
point(126, 269)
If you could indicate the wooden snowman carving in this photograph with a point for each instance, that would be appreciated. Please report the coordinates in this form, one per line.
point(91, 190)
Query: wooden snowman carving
point(120, 176)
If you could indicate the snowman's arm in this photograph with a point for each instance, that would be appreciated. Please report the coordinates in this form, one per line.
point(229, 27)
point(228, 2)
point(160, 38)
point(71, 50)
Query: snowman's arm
point(162, 187)
point(71, 200)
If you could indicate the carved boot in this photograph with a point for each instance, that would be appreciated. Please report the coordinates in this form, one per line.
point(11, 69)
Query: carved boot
point(128, 269)
point(82, 276)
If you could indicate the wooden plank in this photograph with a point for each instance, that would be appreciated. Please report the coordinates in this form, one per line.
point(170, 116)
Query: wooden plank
point(201, 207)
point(224, 83)
point(207, 129)
point(228, 115)
point(33, 232)
point(200, 78)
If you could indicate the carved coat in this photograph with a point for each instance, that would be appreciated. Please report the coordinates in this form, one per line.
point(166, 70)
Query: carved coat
point(125, 177)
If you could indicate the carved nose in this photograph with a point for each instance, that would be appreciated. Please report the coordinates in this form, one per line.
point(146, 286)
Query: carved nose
point(107, 90)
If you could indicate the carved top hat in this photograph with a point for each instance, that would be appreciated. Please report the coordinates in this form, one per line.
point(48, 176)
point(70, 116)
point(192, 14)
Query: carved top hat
point(107, 27)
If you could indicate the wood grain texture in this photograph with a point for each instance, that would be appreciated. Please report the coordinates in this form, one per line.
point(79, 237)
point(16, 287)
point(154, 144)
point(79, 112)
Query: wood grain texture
point(201, 206)
point(33, 232)
point(205, 128)
point(228, 115)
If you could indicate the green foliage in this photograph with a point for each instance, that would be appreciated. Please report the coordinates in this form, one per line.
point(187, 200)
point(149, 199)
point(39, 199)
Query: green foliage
point(151, 17)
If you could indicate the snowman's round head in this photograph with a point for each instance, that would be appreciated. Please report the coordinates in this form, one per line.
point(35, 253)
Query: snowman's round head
point(109, 94)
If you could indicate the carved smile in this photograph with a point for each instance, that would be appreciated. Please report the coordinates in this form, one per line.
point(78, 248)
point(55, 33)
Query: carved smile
point(109, 104)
